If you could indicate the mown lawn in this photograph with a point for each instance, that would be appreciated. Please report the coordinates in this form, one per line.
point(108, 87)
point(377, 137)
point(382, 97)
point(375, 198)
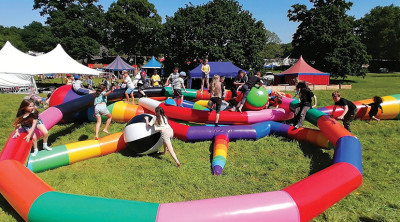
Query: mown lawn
point(268, 164)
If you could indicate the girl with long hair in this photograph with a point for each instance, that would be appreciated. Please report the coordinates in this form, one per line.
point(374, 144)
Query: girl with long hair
point(28, 119)
point(160, 123)
point(100, 108)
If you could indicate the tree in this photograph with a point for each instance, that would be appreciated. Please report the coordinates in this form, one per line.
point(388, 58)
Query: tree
point(380, 32)
point(38, 37)
point(135, 27)
point(78, 24)
point(219, 30)
point(326, 39)
point(13, 35)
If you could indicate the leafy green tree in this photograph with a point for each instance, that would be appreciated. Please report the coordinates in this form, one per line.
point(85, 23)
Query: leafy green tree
point(219, 30)
point(78, 24)
point(380, 32)
point(135, 27)
point(325, 37)
point(13, 35)
point(38, 37)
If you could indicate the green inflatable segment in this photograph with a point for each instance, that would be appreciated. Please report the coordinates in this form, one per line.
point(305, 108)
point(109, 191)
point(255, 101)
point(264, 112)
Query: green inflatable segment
point(46, 160)
point(294, 103)
point(313, 115)
point(198, 107)
point(110, 109)
point(190, 95)
point(55, 206)
point(257, 97)
point(397, 97)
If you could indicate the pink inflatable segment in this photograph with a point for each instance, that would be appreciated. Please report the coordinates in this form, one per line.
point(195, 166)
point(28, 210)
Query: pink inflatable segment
point(271, 206)
point(50, 117)
point(268, 114)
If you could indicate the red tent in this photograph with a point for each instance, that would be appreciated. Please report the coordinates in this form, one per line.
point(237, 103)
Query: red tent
point(303, 72)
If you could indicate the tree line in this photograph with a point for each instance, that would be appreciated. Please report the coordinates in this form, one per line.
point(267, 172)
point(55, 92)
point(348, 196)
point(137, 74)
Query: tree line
point(220, 30)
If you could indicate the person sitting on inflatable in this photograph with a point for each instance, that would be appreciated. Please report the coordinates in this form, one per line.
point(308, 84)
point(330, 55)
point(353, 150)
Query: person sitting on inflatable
point(78, 87)
point(248, 86)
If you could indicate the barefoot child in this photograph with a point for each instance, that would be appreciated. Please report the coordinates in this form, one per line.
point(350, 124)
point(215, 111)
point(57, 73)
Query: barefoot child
point(100, 108)
point(28, 118)
point(161, 125)
point(216, 94)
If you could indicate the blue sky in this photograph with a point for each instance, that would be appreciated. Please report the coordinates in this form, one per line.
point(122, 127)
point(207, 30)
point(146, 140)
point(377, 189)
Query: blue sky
point(272, 12)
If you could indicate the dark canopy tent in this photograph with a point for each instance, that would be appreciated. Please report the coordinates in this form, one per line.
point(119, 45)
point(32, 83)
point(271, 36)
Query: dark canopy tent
point(226, 69)
point(118, 65)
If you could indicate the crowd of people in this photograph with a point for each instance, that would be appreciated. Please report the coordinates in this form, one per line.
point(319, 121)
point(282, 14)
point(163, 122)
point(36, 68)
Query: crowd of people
point(28, 120)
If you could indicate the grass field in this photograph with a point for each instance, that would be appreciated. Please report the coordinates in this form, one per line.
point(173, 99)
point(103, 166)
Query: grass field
point(268, 164)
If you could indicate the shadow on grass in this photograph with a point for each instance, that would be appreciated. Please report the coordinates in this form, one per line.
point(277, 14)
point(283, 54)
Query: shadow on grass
point(7, 208)
point(319, 159)
point(126, 152)
point(340, 81)
point(68, 130)
point(365, 219)
point(211, 150)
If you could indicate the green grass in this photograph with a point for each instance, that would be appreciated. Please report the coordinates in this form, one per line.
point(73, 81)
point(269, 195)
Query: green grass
point(268, 164)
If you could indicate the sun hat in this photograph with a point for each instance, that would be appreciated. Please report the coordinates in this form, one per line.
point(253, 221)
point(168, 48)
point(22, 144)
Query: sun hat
point(77, 77)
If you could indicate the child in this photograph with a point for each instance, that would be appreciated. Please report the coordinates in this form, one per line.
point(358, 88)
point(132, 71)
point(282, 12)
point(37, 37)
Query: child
point(245, 88)
point(172, 76)
point(237, 82)
point(216, 94)
point(78, 87)
point(177, 84)
point(374, 108)
point(305, 95)
point(141, 84)
point(155, 79)
point(130, 85)
point(161, 125)
point(90, 82)
point(100, 108)
point(349, 112)
point(28, 118)
point(205, 70)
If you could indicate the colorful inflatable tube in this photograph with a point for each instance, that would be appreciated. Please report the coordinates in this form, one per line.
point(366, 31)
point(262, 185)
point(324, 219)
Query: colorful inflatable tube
point(226, 117)
point(299, 202)
point(390, 106)
point(219, 155)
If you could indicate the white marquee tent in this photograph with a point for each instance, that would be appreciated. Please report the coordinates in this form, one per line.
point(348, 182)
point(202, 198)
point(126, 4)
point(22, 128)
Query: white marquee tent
point(17, 68)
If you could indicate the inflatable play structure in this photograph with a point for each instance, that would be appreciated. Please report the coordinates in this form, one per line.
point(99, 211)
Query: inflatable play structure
point(301, 201)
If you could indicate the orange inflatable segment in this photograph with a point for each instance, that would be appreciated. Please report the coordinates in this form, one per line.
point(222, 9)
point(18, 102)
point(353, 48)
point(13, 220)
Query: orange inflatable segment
point(110, 144)
point(83, 150)
point(20, 187)
point(332, 129)
point(132, 111)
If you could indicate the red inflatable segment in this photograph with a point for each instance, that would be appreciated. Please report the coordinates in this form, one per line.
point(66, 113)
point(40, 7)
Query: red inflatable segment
point(58, 96)
point(332, 129)
point(20, 187)
point(321, 190)
point(16, 148)
point(180, 130)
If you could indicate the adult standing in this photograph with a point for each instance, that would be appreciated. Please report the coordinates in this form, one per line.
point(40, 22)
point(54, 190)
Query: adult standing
point(155, 79)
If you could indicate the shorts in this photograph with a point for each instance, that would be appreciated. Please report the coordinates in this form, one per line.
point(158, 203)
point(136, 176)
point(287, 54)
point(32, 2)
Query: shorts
point(218, 102)
point(27, 128)
point(205, 75)
point(101, 109)
point(167, 134)
point(129, 90)
point(177, 92)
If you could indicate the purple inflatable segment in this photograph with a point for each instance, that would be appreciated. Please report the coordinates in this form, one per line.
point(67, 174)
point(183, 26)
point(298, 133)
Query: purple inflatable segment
point(71, 95)
point(217, 170)
point(279, 129)
point(324, 110)
point(199, 133)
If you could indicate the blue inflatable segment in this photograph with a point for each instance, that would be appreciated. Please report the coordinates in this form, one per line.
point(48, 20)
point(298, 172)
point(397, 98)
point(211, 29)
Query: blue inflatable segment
point(262, 129)
point(348, 150)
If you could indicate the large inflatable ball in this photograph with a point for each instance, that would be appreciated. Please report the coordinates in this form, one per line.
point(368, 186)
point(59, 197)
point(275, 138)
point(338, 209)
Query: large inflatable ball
point(257, 99)
point(62, 95)
point(140, 138)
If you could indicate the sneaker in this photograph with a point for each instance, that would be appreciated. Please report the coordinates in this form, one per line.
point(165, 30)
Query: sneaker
point(35, 152)
point(47, 148)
